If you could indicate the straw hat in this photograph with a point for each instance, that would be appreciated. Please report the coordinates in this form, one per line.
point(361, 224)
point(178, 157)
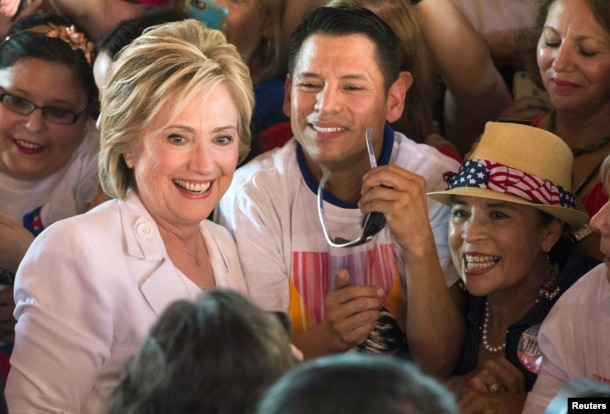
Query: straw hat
point(520, 164)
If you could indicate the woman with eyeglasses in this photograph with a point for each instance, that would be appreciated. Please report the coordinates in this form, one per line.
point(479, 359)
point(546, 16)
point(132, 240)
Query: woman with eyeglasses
point(48, 140)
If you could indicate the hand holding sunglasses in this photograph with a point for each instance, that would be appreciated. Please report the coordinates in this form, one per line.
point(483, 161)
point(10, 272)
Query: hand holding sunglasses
point(372, 223)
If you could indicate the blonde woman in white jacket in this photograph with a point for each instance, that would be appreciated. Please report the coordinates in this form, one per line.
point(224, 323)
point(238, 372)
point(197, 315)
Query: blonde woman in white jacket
point(175, 122)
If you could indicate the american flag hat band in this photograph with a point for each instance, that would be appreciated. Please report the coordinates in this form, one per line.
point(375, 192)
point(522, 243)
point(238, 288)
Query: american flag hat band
point(494, 176)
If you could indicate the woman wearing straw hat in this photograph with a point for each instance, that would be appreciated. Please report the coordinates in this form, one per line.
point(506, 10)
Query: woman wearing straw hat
point(510, 206)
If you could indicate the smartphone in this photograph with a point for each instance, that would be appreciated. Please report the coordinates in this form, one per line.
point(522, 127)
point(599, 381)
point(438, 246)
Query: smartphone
point(213, 15)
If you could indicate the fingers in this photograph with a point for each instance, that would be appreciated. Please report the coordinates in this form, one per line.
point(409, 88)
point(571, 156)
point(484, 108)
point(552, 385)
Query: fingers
point(390, 189)
point(352, 311)
point(392, 177)
point(296, 352)
point(401, 196)
point(342, 279)
point(475, 403)
point(497, 376)
point(354, 329)
point(485, 381)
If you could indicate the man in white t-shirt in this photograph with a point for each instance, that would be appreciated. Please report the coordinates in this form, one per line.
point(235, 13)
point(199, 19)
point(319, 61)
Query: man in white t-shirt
point(344, 79)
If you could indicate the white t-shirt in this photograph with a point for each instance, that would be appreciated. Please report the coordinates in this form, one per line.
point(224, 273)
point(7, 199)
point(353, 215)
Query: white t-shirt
point(65, 193)
point(574, 339)
point(271, 208)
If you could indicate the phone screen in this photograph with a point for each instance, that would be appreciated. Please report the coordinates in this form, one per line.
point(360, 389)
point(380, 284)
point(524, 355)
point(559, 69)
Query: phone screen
point(213, 15)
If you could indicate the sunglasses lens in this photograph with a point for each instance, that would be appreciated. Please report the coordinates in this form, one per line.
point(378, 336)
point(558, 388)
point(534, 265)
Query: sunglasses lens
point(373, 223)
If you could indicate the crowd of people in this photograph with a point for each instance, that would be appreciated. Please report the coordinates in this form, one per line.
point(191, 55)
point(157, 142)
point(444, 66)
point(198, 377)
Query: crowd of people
point(304, 206)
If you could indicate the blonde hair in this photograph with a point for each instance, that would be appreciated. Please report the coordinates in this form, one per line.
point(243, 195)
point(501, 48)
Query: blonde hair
point(158, 73)
point(416, 120)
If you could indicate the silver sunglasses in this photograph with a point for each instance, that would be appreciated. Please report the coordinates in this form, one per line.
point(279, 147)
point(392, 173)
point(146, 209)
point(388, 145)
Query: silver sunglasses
point(372, 223)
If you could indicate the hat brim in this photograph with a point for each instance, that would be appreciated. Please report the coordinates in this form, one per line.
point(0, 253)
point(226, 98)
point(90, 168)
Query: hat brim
point(574, 218)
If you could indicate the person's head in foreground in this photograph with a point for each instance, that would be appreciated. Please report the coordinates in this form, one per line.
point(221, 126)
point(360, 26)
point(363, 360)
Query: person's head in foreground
point(357, 383)
point(216, 355)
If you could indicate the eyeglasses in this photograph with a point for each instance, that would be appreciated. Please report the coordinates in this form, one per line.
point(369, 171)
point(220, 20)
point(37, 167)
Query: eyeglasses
point(372, 223)
point(53, 114)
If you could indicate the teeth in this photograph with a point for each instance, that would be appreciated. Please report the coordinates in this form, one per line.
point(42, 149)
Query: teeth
point(193, 187)
point(328, 130)
point(480, 262)
point(28, 145)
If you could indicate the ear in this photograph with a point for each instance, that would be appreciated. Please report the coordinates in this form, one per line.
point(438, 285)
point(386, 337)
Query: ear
point(396, 96)
point(287, 87)
point(128, 158)
point(551, 233)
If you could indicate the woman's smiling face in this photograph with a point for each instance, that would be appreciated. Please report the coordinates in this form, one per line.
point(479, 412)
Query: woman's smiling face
point(32, 147)
point(497, 245)
point(184, 166)
point(574, 56)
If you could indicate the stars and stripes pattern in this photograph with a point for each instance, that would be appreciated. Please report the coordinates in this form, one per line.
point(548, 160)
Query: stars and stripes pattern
point(503, 179)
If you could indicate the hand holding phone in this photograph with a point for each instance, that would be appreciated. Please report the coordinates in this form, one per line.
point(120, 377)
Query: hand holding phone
point(213, 15)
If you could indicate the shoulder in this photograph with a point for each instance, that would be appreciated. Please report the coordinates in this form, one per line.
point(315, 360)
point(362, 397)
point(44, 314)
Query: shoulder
point(582, 298)
point(90, 145)
point(593, 283)
point(424, 160)
point(273, 166)
point(218, 232)
point(95, 223)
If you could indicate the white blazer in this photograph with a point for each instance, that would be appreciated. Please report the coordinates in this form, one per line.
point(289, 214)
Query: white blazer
point(87, 292)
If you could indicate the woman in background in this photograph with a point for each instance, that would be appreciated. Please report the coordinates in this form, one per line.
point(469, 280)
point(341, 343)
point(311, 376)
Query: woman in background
point(48, 141)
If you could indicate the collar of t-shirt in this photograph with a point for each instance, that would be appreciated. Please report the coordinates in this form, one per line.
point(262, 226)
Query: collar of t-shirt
point(312, 183)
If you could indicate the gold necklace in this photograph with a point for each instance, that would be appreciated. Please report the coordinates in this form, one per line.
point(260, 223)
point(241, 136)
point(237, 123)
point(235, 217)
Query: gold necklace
point(196, 256)
point(197, 260)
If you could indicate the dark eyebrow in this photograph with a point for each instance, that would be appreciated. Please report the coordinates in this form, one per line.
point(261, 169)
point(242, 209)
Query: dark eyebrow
point(488, 203)
point(349, 76)
point(499, 204)
point(55, 102)
point(578, 38)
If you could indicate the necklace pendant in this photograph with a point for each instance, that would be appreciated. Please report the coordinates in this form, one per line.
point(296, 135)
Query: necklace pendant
point(198, 261)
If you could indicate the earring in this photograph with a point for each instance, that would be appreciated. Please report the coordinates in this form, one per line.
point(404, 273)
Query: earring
point(549, 287)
